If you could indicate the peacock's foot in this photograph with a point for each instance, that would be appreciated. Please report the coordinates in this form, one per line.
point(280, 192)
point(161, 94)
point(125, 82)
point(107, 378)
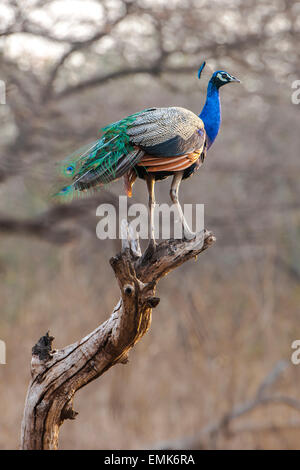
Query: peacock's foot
point(188, 234)
point(150, 248)
point(152, 244)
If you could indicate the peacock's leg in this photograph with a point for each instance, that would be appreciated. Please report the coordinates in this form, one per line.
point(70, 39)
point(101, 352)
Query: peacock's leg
point(174, 197)
point(150, 186)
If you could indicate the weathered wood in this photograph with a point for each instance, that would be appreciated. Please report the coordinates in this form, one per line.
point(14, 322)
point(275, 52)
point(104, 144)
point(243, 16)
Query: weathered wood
point(57, 375)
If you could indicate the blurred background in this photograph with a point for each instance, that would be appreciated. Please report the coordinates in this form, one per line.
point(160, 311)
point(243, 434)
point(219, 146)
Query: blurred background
point(214, 371)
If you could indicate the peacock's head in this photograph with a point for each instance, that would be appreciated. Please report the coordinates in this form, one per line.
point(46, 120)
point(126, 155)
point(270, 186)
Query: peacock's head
point(220, 77)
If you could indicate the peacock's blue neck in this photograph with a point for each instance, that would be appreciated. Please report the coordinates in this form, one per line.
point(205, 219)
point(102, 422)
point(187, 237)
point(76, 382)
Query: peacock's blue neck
point(211, 112)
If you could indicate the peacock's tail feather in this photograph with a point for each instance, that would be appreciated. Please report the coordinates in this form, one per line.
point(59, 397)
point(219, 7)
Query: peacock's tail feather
point(100, 162)
point(69, 166)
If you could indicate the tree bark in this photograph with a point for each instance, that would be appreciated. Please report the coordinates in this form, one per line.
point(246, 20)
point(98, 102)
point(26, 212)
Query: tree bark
point(57, 375)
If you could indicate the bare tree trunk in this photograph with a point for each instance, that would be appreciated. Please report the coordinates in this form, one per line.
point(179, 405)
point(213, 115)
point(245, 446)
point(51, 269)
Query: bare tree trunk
point(57, 375)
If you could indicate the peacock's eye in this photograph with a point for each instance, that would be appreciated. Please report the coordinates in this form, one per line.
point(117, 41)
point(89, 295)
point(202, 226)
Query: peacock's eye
point(224, 75)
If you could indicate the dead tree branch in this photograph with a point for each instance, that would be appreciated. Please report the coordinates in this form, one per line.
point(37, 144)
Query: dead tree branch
point(57, 375)
point(49, 225)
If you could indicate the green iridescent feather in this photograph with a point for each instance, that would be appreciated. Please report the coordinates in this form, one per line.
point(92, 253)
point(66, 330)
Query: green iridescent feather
point(98, 161)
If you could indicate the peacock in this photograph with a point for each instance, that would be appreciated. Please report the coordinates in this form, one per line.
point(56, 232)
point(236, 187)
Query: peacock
point(151, 144)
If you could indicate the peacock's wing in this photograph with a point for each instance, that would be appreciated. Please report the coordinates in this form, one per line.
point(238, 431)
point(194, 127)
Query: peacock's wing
point(172, 138)
point(149, 138)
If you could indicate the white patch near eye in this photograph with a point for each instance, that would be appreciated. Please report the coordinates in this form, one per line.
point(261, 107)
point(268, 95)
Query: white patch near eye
point(221, 78)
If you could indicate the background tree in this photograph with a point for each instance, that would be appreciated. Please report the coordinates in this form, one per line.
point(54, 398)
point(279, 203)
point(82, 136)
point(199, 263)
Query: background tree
point(71, 67)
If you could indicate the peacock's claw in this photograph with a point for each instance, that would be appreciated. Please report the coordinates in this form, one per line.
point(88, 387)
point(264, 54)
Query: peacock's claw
point(150, 248)
point(189, 235)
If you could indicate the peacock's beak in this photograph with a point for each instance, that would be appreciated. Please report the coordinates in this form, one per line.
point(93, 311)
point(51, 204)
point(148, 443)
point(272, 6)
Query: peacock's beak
point(233, 79)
